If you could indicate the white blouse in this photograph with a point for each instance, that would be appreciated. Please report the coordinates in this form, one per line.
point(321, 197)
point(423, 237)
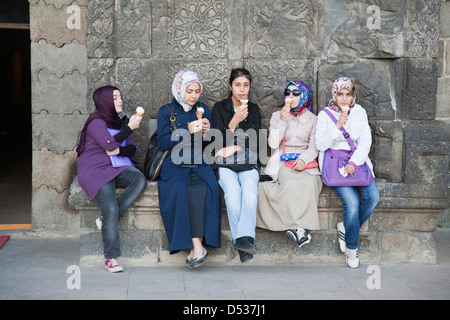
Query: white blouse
point(328, 136)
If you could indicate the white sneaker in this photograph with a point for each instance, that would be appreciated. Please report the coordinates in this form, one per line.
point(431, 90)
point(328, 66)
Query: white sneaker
point(98, 222)
point(341, 233)
point(112, 265)
point(352, 258)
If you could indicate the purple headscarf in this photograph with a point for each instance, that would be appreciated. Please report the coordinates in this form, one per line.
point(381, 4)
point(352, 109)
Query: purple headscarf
point(105, 110)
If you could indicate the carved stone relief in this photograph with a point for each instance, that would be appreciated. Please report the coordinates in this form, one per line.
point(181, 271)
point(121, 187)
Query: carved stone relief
point(140, 45)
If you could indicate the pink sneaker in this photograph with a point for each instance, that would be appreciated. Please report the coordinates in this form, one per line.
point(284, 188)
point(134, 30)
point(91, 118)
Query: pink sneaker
point(112, 265)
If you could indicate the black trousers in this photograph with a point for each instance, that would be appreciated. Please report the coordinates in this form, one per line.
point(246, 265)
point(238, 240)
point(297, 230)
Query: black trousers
point(196, 193)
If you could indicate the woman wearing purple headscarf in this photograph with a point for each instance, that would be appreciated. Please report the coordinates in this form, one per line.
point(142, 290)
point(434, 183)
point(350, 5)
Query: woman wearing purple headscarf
point(96, 173)
point(290, 201)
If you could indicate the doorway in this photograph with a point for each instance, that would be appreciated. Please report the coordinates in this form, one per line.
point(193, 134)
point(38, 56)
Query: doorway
point(15, 118)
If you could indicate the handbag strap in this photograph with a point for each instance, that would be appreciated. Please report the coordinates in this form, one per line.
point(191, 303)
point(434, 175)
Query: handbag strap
point(344, 132)
point(172, 118)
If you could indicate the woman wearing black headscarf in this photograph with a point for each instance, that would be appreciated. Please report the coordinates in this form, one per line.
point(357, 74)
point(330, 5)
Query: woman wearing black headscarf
point(96, 173)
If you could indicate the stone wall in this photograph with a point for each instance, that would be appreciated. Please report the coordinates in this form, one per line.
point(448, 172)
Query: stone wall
point(397, 51)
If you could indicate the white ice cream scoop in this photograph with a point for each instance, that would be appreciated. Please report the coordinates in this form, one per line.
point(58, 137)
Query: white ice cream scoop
point(140, 111)
point(199, 112)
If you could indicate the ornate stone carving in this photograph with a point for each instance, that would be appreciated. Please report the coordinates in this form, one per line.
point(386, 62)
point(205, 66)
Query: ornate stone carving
point(133, 29)
point(191, 29)
point(100, 29)
point(284, 29)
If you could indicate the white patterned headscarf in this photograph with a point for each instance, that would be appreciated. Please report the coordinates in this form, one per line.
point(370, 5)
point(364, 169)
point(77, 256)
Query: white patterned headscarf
point(338, 85)
point(183, 79)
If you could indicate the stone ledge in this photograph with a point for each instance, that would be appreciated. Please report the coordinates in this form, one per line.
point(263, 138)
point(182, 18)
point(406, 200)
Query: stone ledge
point(397, 231)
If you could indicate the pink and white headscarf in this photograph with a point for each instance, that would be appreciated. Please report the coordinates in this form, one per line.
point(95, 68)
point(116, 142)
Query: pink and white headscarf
point(338, 85)
point(183, 79)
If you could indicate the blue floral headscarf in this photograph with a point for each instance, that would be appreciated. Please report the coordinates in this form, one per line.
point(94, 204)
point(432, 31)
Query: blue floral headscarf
point(305, 97)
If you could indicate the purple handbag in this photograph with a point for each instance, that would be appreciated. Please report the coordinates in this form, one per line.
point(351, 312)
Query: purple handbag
point(333, 160)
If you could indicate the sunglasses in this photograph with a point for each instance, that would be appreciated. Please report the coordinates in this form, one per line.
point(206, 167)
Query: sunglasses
point(295, 92)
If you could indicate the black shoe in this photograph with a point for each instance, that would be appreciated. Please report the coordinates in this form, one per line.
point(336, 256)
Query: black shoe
point(299, 236)
point(245, 244)
point(244, 256)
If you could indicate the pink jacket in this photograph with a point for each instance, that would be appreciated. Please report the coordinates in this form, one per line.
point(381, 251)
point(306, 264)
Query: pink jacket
point(300, 137)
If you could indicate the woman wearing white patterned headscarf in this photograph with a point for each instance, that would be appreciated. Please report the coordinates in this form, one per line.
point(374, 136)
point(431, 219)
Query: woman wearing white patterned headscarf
point(188, 190)
point(353, 118)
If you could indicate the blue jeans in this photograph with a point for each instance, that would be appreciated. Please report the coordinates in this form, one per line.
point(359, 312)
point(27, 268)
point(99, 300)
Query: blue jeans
point(356, 212)
point(113, 208)
point(241, 198)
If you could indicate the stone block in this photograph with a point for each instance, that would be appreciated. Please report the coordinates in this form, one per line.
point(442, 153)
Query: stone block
point(399, 220)
point(420, 89)
point(43, 15)
point(444, 26)
point(368, 31)
point(100, 16)
point(426, 154)
point(443, 94)
point(55, 132)
point(51, 212)
point(53, 170)
point(190, 29)
point(280, 30)
point(133, 29)
point(408, 247)
point(422, 23)
point(58, 61)
point(59, 95)
point(387, 150)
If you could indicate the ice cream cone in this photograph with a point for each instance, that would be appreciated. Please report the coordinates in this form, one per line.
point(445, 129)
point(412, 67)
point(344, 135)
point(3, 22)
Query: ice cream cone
point(345, 108)
point(199, 112)
point(140, 111)
point(288, 101)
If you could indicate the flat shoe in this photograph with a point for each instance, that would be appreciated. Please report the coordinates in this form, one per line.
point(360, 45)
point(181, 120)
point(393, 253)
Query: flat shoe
point(197, 262)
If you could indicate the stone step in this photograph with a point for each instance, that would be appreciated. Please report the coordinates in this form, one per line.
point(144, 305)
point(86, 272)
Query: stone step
point(390, 235)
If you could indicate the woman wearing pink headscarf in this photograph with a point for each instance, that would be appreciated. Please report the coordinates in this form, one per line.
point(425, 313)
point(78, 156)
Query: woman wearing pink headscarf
point(290, 201)
point(353, 118)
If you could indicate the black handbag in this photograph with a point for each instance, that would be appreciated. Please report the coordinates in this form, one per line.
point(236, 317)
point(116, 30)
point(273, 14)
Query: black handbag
point(155, 156)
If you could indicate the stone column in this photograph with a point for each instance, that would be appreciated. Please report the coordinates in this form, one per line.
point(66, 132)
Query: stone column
point(58, 67)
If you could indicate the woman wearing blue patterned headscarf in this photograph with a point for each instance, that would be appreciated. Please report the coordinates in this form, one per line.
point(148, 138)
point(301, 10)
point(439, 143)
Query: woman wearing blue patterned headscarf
point(290, 201)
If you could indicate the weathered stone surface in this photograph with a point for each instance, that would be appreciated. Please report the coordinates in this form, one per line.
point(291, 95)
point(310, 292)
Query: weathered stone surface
point(58, 95)
point(411, 247)
point(59, 61)
point(53, 170)
point(50, 23)
point(286, 30)
point(55, 132)
point(426, 154)
point(420, 89)
point(100, 17)
point(372, 29)
point(387, 150)
point(52, 213)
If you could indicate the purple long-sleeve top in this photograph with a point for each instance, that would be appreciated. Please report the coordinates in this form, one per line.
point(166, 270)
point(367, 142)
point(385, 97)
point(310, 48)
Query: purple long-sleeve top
point(94, 165)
